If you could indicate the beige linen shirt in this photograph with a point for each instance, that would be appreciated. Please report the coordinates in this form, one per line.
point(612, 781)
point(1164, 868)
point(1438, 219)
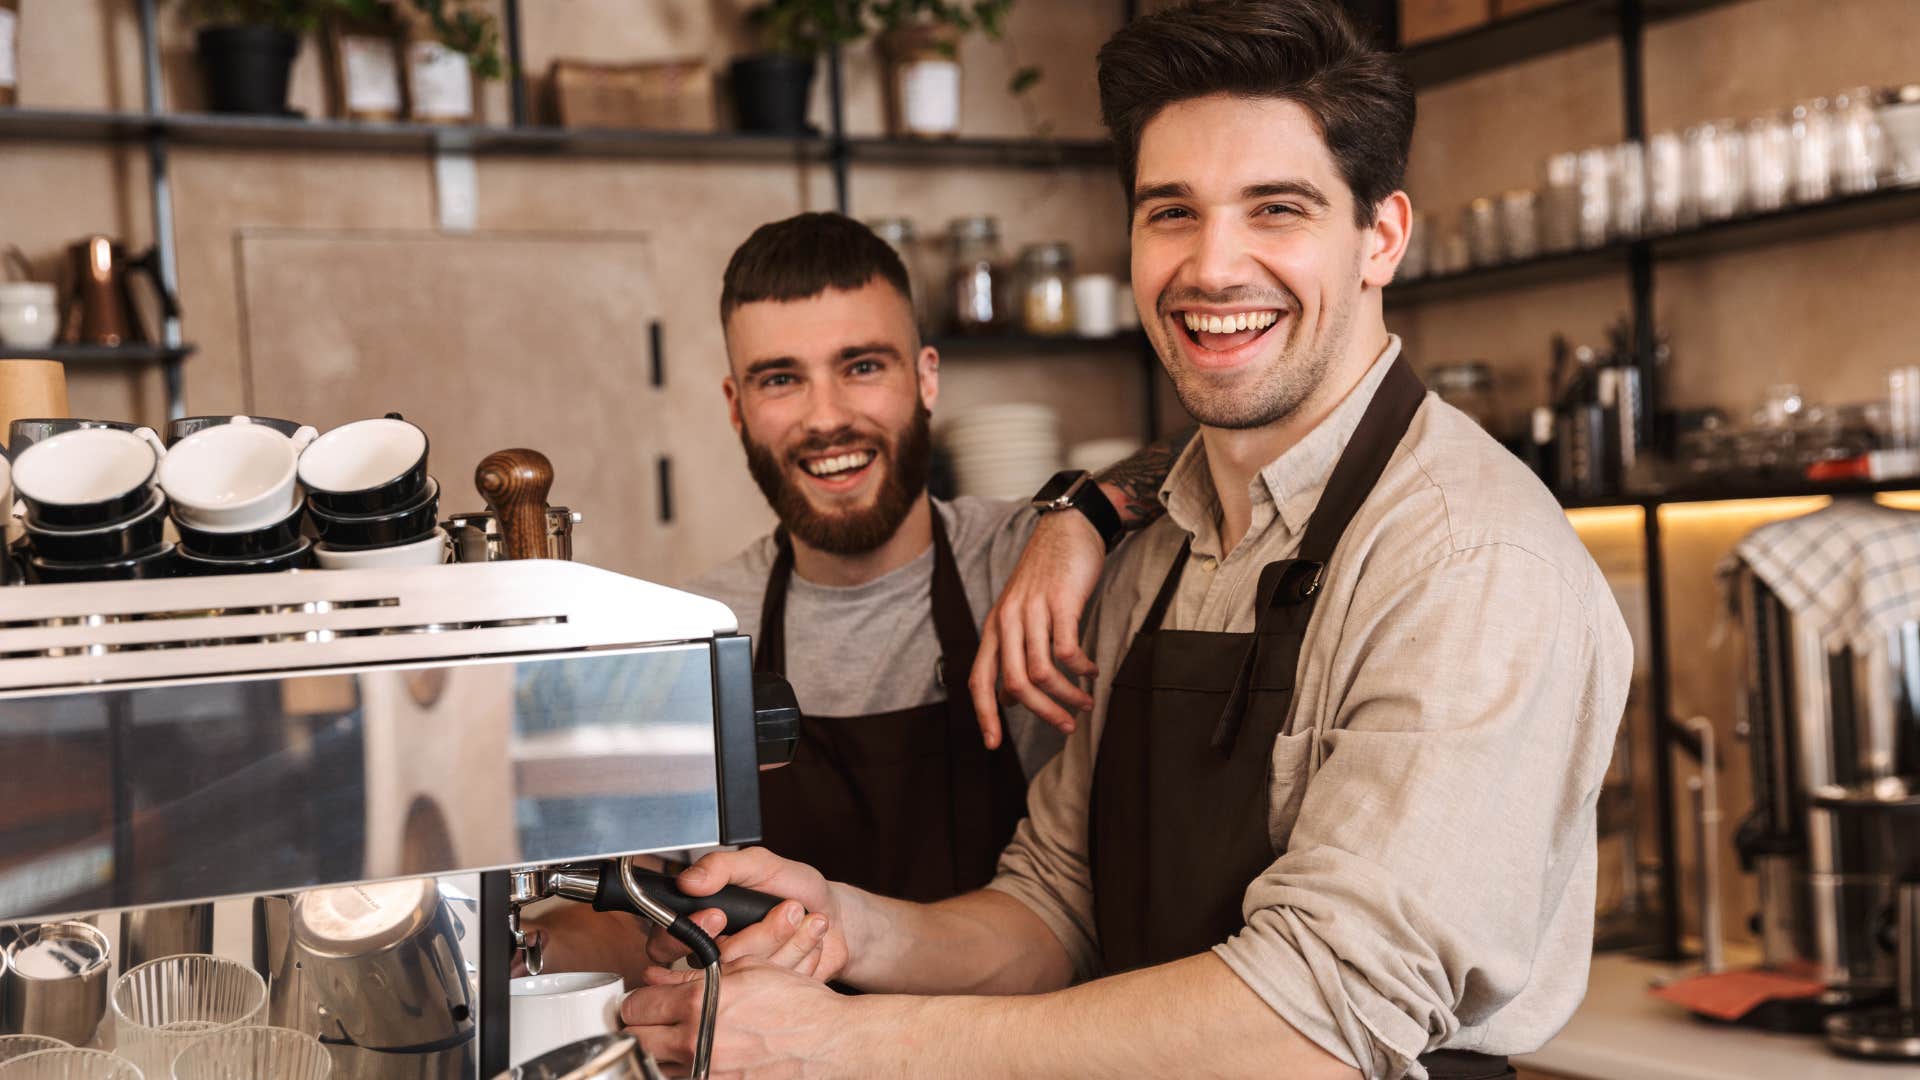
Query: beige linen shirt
point(1433, 791)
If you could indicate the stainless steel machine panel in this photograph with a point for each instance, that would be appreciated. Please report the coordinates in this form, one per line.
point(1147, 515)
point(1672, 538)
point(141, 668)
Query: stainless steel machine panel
point(164, 792)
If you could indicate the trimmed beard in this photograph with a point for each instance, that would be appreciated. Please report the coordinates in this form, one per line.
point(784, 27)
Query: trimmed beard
point(847, 532)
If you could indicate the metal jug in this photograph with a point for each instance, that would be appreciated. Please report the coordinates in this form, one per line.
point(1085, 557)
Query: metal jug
point(100, 304)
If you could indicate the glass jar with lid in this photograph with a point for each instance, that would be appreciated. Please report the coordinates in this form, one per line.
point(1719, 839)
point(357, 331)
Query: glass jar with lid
point(899, 235)
point(1045, 287)
point(1467, 386)
point(977, 276)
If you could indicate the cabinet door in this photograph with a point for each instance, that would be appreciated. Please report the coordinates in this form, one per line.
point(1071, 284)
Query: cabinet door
point(485, 340)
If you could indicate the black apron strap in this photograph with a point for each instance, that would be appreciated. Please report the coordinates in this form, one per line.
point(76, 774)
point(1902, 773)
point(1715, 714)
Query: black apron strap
point(1290, 587)
point(770, 652)
point(1157, 613)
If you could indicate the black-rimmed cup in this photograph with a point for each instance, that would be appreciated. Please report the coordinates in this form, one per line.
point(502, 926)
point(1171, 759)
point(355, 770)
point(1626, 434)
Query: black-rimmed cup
point(89, 478)
point(157, 563)
point(299, 558)
point(366, 468)
point(107, 543)
point(403, 526)
point(277, 539)
point(25, 432)
point(187, 425)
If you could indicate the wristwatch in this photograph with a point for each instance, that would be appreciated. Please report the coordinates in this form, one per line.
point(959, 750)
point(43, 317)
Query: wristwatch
point(1076, 489)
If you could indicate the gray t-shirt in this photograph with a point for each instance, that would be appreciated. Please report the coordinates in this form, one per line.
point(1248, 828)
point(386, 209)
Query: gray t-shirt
point(871, 648)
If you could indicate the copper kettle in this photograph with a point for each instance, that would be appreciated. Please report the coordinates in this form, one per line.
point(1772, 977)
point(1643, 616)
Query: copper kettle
point(100, 302)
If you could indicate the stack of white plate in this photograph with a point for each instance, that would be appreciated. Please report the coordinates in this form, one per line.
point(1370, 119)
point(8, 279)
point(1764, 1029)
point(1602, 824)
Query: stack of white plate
point(1096, 454)
point(1004, 451)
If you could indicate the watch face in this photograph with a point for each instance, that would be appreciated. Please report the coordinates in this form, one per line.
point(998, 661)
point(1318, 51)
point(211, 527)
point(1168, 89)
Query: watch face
point(1056, 487)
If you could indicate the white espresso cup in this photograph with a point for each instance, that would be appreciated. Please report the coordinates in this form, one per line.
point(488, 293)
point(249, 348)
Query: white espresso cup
point(549, 1011)
point(235, 477)
point(431, 551)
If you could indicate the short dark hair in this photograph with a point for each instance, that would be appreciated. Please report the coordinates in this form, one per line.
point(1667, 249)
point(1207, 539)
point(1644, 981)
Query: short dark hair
point(804, 256)
point(1304, 51)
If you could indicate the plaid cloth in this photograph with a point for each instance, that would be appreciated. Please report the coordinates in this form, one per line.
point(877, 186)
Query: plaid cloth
point(1850, 571)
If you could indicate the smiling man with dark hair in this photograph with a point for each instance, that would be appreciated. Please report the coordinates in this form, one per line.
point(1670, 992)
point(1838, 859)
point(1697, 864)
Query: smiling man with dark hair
point(1332, 813)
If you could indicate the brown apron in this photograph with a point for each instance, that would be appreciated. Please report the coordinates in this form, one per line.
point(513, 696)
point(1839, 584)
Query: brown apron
point(910, 803)
point(1178, 820)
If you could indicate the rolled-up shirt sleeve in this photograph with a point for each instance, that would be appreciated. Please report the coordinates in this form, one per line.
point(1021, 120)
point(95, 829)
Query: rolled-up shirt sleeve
point(1444, 807)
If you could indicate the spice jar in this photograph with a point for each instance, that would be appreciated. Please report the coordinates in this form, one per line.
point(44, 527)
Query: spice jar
point(1467, 386)
point(1046, 289)
point(899, 235)
point(976, 278)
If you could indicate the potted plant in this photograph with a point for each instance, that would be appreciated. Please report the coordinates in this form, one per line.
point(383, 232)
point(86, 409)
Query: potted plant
point(446, 44)
point(246, 52)
point(772, 87)
point(919, 42)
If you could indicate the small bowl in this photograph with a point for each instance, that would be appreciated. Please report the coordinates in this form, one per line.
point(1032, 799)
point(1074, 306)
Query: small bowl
point(108, 543)
point(366, 468)
point(88, 478)
point(431, 551)
point(187, 425)
point(402, 526)
point(300, 558)
point(278, 538)
point(157, 563)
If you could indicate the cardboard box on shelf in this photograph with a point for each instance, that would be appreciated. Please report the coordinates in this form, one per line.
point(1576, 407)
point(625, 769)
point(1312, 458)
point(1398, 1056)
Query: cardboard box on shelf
point(674, 95)
point(1425, 20)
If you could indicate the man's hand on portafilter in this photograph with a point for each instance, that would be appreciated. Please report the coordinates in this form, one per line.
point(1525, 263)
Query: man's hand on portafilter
point(1033, 631)
point(808, 901)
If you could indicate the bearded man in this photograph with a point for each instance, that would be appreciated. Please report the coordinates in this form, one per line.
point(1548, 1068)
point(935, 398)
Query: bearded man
point(869, 596)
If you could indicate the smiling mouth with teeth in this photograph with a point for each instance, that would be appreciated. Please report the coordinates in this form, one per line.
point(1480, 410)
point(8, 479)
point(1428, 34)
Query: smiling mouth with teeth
point(1228, 332)
point(837, 465)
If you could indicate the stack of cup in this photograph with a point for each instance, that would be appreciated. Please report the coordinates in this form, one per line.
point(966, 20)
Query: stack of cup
point(68, 1063)
point(163, 1006)
point(236, 498)
point(94, 511)
point(370, 498)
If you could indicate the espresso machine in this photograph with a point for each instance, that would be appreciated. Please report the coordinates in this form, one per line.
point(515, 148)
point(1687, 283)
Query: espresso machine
point(374, 768)
point(1832, 719)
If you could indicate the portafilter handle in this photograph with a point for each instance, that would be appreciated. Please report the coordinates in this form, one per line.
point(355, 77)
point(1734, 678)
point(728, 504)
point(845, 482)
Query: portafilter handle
point(515, 484)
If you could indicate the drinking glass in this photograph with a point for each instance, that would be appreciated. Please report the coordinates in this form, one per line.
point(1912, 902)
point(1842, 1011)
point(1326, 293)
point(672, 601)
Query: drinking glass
point(1667, 205)
point(70, 1064)
point(1811, 132)
point(1769, 163)
point(1628, 176)
point(1596, 190)
point(1859, 144)
point(13, 1046)
point(163, 1005)
point(244, 1053)
point(1560, 218)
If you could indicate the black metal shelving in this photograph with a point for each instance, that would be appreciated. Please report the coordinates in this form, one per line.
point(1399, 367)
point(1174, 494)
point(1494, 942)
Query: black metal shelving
point(993, 153)
point(1812, 221)
point(100, 354)
point(1016, 345)
point(1530, 36)
point(1735, 491)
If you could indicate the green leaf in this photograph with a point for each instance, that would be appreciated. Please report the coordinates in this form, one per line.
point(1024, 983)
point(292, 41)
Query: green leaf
point(1023, 80)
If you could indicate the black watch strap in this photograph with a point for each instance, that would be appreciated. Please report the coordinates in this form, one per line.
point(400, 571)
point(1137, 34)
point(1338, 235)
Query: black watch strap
point(1078, 489)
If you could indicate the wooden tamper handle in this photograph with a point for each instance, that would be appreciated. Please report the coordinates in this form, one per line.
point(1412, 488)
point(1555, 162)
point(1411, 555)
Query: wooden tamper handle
point(515, 484)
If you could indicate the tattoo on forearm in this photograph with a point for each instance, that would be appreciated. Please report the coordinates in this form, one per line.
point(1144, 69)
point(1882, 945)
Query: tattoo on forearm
point(1139, 477)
